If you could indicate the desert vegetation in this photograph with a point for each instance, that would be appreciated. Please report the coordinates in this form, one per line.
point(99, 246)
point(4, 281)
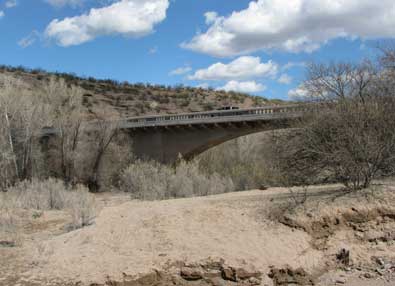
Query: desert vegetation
point(28, 152)
point(353, 142)
point(37, 196)
point(154, 181)
point(40, 171)
point(351, 139)
point(249, 161)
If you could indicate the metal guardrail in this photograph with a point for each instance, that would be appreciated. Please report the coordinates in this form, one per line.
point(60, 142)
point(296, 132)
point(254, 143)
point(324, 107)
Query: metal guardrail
point(218, 116)
point(208, 117)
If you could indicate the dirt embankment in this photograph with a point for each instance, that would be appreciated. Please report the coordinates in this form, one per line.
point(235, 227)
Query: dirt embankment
point(249, 238)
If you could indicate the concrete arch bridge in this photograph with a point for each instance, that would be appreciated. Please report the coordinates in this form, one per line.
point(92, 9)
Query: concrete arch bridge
point(163, 138)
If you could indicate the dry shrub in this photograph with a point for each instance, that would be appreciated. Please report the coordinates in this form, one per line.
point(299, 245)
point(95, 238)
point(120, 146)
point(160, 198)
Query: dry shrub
point(82, 207)
point(9, 224)
point(146, 180)
point(154, 181)
point(249, 161)
point(202, 184)
point(352, 142)
point(52, 194)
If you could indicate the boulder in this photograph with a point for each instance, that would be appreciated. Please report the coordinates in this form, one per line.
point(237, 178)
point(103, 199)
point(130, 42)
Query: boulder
point(191, 274)
point(244, 274)
point(228, 273)
point(289, 276)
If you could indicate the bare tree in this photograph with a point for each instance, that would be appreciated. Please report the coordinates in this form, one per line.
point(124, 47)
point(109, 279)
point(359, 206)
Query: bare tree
point(103, 134)
point(353, 140)
point(387, 59)
point(334, 81)
point(24, 114)
point(386, 82)
point(8, 109)
point(248, 160)
point(363, 77)
point(329, 81)
point(68, 117)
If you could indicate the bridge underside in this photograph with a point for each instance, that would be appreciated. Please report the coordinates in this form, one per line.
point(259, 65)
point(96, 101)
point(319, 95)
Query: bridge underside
point(165, 144)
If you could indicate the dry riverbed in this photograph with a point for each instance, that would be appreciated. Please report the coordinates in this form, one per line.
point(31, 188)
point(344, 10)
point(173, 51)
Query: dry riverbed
point(324, 236)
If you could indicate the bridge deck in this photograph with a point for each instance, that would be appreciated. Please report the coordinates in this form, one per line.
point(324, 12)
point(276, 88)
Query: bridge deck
point(266, 113)
point(218, 116)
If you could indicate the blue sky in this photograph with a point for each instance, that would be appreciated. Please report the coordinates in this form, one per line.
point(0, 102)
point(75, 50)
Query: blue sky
point(253, 46)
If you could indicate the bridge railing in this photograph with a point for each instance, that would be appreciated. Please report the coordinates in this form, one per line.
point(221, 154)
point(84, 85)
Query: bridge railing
point(217, 115)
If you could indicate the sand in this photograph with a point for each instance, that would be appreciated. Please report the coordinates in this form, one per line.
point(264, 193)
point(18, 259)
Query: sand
point(135, 238)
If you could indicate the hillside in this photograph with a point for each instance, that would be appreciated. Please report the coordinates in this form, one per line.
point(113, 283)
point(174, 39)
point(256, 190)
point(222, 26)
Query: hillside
point(127, 99)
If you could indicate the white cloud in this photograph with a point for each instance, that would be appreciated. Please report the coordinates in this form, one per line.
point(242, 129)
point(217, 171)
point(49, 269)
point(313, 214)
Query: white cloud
point(210, 17)
point(61, 3)
point(241, 68)
point(291, 65)
point(29, 39)
point(285, 79)
point(181, 71)
point(132, 18)
point(295, 26)
point(243, 86)
point(10, 3)
point(298, 93)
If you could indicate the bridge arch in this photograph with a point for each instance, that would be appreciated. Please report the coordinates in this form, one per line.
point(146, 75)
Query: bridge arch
point(163, 138)
point(166, 143)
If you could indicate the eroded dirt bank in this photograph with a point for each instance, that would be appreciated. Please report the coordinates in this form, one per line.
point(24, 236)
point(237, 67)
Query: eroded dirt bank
point(251, 238)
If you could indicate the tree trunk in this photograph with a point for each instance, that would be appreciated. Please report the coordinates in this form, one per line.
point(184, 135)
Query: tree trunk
point(11, 143)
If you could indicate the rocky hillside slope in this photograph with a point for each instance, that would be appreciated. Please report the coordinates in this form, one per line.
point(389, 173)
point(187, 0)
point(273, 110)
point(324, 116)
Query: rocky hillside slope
point(126, 99)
